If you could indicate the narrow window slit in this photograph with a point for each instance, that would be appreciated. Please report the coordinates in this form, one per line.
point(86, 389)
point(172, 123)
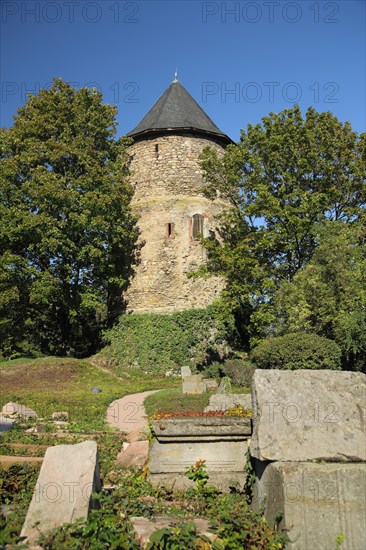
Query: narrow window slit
point(169, 230)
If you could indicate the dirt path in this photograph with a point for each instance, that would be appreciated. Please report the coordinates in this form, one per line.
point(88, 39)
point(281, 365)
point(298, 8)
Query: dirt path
point(128, 415)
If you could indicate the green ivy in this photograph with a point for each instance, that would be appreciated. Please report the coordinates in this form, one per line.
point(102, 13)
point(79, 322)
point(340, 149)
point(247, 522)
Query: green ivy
point(159, 342)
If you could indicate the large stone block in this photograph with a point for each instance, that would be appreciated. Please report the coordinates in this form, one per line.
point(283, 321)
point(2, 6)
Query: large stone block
point(225, 462)
point(309, 415)
point(193, 384)
point(15, 410)
point(185, 371)
point(194, 388)
point(318, 503)
point(68, 476)
point(211, 384)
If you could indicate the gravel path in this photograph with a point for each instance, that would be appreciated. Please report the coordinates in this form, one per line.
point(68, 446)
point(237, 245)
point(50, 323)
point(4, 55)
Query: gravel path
point(128, 414)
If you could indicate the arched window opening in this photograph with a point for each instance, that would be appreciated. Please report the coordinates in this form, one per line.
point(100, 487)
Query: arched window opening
point(197, 226)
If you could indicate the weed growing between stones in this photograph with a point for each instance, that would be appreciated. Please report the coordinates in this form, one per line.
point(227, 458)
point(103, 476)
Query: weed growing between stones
point(199, 475)
point(16, 488)
point(17, 442)
point(232, 522)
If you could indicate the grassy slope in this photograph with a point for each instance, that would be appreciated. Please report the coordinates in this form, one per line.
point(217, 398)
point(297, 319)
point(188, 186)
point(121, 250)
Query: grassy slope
point(63, 384)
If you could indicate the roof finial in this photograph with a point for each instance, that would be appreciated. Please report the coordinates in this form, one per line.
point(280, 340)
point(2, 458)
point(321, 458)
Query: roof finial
point(176, 76)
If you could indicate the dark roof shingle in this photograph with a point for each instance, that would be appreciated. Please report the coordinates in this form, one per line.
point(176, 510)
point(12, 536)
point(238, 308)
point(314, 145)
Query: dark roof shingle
point(177, 110)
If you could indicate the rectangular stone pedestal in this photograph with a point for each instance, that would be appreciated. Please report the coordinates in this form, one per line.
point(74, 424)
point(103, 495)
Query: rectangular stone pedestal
point(221, 441)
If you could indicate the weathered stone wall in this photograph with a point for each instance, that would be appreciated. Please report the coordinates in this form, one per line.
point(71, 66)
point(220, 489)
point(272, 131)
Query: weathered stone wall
point(170, 171)
point(168, 184)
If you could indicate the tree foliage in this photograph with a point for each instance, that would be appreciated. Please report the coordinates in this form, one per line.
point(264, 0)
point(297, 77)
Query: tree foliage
point(67, 236)
point(328, 296)
point(284, 178)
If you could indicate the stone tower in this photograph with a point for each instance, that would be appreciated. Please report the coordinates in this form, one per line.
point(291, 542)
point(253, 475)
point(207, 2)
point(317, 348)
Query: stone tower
point(170, 204)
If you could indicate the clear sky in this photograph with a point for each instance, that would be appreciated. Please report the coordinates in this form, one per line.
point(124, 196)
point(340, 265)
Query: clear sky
point(239, 60)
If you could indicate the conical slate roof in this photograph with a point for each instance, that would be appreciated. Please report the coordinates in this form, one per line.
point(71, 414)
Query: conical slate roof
point(176, 110)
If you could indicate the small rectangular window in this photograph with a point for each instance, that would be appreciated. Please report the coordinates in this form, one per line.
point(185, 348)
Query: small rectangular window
point(156, 151)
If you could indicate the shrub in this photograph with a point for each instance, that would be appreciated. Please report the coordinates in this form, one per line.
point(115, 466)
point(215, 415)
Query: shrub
point(158, 342)
point(297, 351)
point(240, 371)
point(214, 370)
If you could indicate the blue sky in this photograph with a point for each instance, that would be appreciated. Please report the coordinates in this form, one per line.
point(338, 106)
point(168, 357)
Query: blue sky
point(239, 60)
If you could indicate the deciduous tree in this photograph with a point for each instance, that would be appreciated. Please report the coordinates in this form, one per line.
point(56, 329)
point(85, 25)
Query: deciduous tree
point(67, 236)
point(328, 296)
point(282, 179)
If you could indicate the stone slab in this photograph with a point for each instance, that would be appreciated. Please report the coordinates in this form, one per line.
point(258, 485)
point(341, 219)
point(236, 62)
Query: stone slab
point(185, 371)
point(15, 410)
point(223, 402)
point(211, 384)
point(68, 476)
point(225, 385)
point(309, 415)
point(202, 428)
point(220, 456)
point(193, 384)
point(194, 388)
point(135, 454)
point(317, 502)
point(145, 527)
